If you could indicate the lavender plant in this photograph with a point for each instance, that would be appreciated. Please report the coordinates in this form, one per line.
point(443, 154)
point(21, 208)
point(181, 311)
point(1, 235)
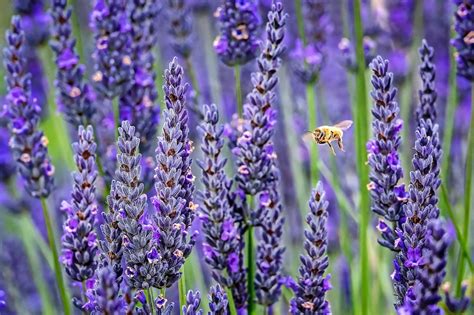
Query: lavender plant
point(218, 303)
point(387, 194)
point(174, 185)
point(223, 245)
point(464, 40)
point(181, 25)
point(28, 144)
point(79, 240)
point(193, 300)
point(73, 94)
point(312, 285)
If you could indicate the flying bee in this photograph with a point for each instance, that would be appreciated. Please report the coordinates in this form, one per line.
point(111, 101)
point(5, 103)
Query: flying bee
point(328, 134)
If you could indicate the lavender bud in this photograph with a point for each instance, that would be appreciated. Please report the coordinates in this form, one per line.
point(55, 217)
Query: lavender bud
point(218, 303)
point(238, 41)
point(105, 297)
point(388, 196)
point(348, 53)
point(464, 39)
point(193, 300)
point(72, 93)
point(79, 240)
point(222, 246)
point(162, 306)
point(28, 144)
point(454, 305)
point(255, 151)
point(312, 285)
point(174, 182)
point(113, 49)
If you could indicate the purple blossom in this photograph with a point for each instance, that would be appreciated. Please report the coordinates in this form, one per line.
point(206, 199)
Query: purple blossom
point(28, 144)
point(312, 285)
point(79, 246)
point(222, 246)
point(193, 301)
point(218, 303)
point(72, 94)
point(175, 209)
point(348, 53)
point(385, 168)
point(238, 41)
point(180, 26)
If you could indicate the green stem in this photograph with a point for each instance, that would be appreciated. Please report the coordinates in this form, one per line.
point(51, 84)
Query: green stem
point(300, 20)
point(312, 124)
point(115, 107)
point(252, 306)
point(462, 242)
point(238, 90)
point(449, 117)
point(149, 298)
point(467, 191)
point(182, 289)
point(364, 209)
point(230, 298)
point(57, 266)
point(192, 76)
point(34, 263)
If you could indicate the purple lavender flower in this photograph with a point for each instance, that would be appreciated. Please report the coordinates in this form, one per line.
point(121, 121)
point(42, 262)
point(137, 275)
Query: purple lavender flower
point(238, 41)
point(181, 26)
point(222, 246)
point(308, 55)
point(193, 301)
point(218, 303)
point(174, 182)
point(140, 254)
point(79, 240)
point(113, 49)
point(464, 40)
point(428, 95)
point(312, 285)
point(423, 297)
point(28, 144)
point(7, 164)
point(270, 246)
point(400, 21)
point(254, 151)
point(139, 104)
point(388, 195)
point(72, 93)
point(104, 297)
point(422, 206)
point(35, 21)
point(162, 306)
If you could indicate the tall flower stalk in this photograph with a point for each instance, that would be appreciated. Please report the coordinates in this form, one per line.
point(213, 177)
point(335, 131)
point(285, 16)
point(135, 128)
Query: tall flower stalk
point(310, 292)
point(174, 182)
point(28, 144)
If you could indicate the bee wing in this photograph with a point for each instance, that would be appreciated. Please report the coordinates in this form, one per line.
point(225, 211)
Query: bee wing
point(308, 138)
point(344, 125)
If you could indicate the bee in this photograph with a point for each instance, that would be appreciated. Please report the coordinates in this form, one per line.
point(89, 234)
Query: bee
point(328, 134)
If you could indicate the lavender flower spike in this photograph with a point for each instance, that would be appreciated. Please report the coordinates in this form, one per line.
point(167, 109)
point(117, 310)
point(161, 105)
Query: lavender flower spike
point(112, 55)
point(387, 194)
point(181, 26)
point(270, 246)
point(193, 300)
point(141, 256)
point(222, 246)
point(79, 241)
point(139, 104)
point(28, 144)
point(422, 206)
point(464, 40)
point(312, 285)
point(104, 297)
point(72, 92)
point(255, 150)
point(218, 303)
point(174, 182)
point(423, 297)
point(238, 41)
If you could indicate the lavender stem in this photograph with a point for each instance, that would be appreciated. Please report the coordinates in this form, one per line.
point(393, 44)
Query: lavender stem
point(57, 266)
point(312, 124)
point(238, 90)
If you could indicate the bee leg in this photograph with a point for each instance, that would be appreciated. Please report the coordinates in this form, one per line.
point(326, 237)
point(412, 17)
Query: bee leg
point(341, 146)
point(332, 148)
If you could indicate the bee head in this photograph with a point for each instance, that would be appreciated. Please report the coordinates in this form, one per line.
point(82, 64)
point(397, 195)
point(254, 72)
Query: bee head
point(318, 133)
